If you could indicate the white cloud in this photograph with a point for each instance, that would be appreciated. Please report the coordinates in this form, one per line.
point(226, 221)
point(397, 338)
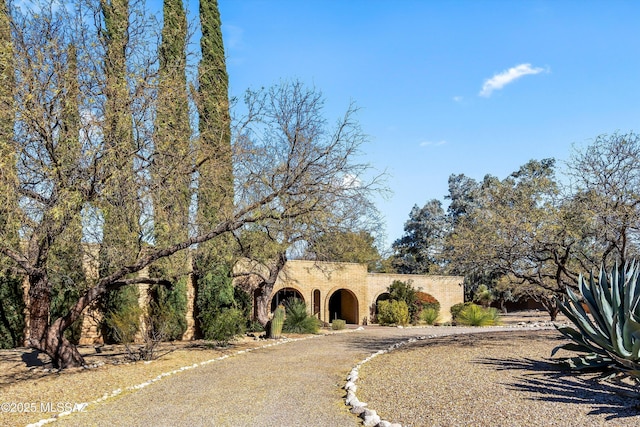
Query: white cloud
point(502, 79)
point(458, 98)
point(432, 143)
point(233, 36)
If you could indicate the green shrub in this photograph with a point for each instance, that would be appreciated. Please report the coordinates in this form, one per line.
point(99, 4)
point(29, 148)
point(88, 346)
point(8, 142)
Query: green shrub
point(403, 291)
point(429, 315)
point(225, 325)
point(392, 312)
point(474, 315)
point(298, 320)
point(457, 308)
point(221, 316)
point(122, 315)
point(255, 326)
point(11, 311)
point(168, 311)
point(338, 324)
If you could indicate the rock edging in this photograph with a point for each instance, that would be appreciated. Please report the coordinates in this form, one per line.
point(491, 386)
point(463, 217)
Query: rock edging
point(133, 388)
point(370, 417)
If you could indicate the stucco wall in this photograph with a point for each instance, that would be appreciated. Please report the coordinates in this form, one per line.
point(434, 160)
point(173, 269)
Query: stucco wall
point(328, 278)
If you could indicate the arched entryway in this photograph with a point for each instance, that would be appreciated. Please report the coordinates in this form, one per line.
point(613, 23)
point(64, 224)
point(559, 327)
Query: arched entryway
point(283, 295)
point(343, 304)
point(374, 308)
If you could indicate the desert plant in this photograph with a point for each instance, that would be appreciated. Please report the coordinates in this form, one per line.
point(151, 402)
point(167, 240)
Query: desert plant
point(298, 320)
point(429, 315)
point(611, 330)
point(474, 315)
point(225, 325)
point(123, 325)
point(392, 312)
point(338, 324)
point(122, 315)
point(457, 308)
point(484, 296)
point(277, 322)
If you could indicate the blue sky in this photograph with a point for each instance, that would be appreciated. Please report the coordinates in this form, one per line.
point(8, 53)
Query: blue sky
point(474, 87)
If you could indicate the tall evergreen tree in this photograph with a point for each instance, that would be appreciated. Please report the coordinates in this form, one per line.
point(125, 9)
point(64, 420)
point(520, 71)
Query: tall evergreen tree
point(11, 295)
point(8, 177)
point(214, 162)
point(215, 184)
point(66, 257)
point(171, 167)
point(121, 230)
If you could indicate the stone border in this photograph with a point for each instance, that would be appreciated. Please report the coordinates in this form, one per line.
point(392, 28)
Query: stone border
point(370, 417)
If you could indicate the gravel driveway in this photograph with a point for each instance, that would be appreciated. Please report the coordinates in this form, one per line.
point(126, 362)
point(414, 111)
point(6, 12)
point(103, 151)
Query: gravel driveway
point(296, 384)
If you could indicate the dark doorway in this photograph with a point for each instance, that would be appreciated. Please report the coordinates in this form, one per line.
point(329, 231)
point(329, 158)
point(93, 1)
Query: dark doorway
point(343, 304)
point(283, 295)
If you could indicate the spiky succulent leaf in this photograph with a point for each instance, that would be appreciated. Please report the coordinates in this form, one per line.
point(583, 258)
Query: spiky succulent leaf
point(611, 329)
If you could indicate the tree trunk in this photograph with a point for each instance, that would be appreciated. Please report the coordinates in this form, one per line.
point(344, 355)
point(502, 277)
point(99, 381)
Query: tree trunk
point(262, 304)
point(551, 306)
point(49, 338)
point(63, 353)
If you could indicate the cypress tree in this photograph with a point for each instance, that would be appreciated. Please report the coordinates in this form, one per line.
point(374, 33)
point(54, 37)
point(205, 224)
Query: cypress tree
point(171, 163)
point(215, 184)
point(66, 257)
point(11, 295)
point(215, 193)
point(120, 210)
point(172, 168)
point(121, 241)
point(8, 175)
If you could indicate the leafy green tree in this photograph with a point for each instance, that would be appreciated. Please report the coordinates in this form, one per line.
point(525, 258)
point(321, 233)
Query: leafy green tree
point(523, 230)
point(346, 246)
point(418, 251)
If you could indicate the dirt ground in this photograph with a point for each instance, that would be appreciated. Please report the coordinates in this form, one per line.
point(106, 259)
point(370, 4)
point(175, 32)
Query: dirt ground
point(28, 376)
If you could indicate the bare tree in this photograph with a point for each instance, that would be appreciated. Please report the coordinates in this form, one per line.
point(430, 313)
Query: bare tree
point(279, 180)
point(286, 133)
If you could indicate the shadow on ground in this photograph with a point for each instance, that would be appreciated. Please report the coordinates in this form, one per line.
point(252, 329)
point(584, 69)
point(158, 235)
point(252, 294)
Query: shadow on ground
point(546, 380)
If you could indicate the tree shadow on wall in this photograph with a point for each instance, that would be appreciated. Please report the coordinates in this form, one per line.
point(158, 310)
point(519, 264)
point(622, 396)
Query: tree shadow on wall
point(551, 382)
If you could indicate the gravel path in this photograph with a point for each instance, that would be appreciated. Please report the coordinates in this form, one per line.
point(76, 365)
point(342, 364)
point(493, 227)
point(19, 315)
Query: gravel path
point(494, 379)
point(497, 378)
point(296, 384)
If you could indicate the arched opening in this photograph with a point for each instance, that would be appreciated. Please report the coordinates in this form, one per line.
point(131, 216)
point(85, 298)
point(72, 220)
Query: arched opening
point(316, 303)
point(374, 308)
point(283, 295)
point(343, 304)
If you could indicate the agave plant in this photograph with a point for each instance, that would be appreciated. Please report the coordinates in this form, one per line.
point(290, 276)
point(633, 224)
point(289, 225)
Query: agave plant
point(610, 331)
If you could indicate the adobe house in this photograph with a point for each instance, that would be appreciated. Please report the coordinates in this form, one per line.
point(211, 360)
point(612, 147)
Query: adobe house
point(331, 290)
point(346, 291)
